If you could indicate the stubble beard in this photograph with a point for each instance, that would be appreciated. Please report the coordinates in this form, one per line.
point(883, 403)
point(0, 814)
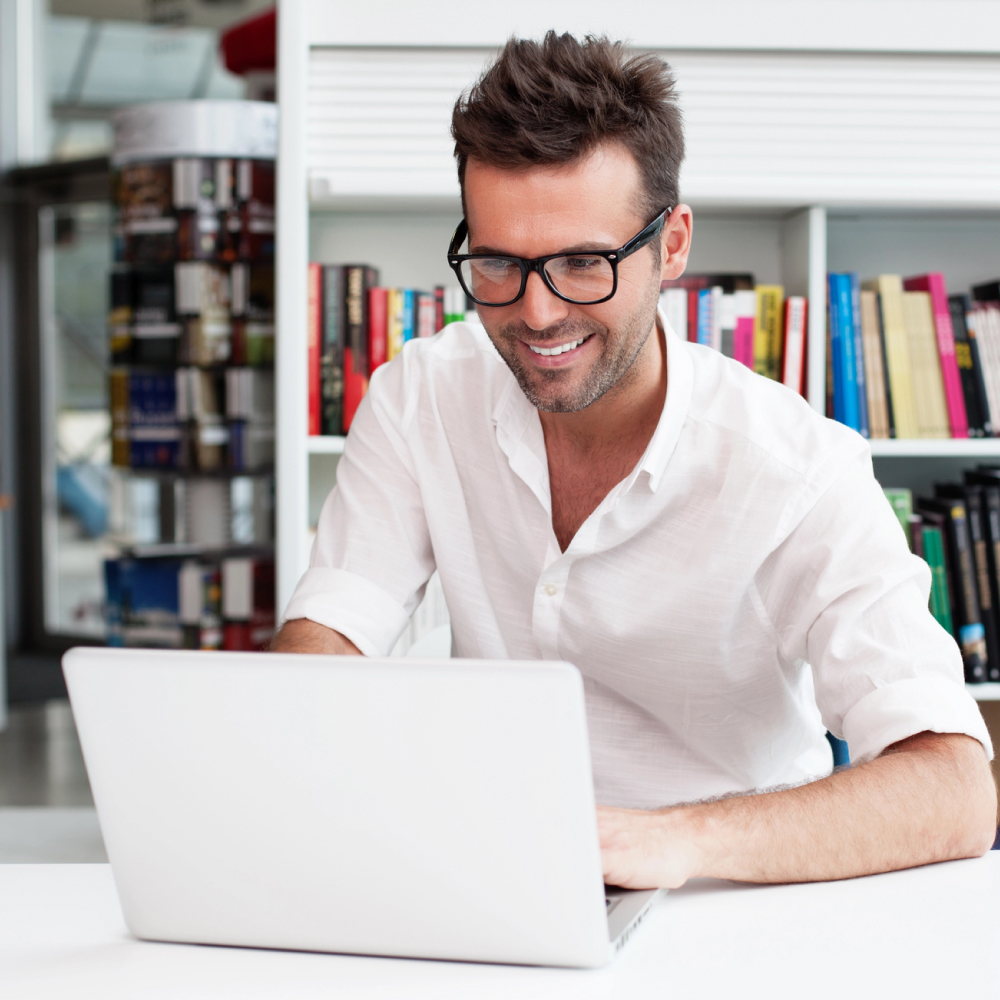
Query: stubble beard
point(552, 389)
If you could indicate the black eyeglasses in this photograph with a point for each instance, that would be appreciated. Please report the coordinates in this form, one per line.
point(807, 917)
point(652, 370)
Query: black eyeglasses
point(585, 279)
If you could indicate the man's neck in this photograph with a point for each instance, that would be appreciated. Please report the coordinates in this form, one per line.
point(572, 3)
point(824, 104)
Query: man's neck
point(590, 452)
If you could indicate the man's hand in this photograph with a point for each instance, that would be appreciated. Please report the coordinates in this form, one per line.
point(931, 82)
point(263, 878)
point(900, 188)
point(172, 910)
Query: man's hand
point(927, 798)
point(301, 635)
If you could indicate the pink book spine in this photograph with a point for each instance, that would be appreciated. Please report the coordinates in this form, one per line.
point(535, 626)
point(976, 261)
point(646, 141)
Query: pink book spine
point(934, 284)
point(743, 341)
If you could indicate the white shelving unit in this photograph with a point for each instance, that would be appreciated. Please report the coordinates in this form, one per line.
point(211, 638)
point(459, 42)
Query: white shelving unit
point(839, 134)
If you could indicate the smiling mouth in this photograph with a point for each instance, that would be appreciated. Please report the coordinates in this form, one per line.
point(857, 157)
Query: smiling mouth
point(561, 349)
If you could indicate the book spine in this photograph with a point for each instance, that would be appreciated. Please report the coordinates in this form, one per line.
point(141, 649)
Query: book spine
point(377, 299)
point(409, 315)
point(394, 323)
point(767, 330)
point(705, 317)
point(314, 336)
point(890, 288)
point(332, 353)
point(940, 600)
point(991, 528)
point(859, 354)
point(845, 314)
point(987, 611)
point(971, 378)
point(835, 349)
point(971, 635)
point(980, 322)
point(692, 315)
point(933, 284)
point(356, 354)
point(438, 308)
point(878, 420)
point(890, 417)
point(793, 362)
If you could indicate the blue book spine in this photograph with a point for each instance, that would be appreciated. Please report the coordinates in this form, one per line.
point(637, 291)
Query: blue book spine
point(409, 315)
point(845, 314)
point(705, 316)
point(836, 355)
point(859, 354)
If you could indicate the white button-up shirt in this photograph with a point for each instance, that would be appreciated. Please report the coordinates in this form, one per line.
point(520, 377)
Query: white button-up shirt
point(750, 542)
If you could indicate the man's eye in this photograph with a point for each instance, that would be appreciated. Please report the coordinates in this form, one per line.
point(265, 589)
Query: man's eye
point(495, 266)
point(583, 263)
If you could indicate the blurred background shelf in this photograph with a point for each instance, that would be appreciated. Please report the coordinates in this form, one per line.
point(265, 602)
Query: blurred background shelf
point(945, 448)
point(984, 692)
point(325, 444)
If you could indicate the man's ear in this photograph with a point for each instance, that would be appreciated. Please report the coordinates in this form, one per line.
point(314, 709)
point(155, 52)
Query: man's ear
point(675, 242)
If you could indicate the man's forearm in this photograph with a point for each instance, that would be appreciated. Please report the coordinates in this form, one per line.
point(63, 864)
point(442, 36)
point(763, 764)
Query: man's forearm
point(929, 798)
point(300, 635)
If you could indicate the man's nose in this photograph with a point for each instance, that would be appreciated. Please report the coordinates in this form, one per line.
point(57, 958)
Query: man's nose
point(540, 308)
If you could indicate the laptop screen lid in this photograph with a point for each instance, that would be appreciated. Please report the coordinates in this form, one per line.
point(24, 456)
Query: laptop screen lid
point(435, 809)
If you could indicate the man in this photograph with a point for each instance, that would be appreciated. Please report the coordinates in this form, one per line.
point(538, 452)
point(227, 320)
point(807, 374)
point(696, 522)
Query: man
point(715, 557)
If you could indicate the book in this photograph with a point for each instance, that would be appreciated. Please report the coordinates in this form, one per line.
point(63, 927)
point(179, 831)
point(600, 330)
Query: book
point(972, 495)
point(674, 303)
point(969, 366)
point(901, 501)
point(875, 382)
point(793, 361)
point(358, 278)
point(706, 321)
point(439, 320)
point(199, 588)
point(247, 603)
point(745, 318)
point(314, 335)
point(425, 315)
point(933, 284)
point(726, 317)
point(394, 323)
point(768, 330)
point(925, 366)
point(842, 344)
point(983, 322)
point(897, 353)
point(331, 360)
point(988, 479)
point(378, 300)
point(859, 357)
point(940, 601)
point(962, 585)
point(409, 314)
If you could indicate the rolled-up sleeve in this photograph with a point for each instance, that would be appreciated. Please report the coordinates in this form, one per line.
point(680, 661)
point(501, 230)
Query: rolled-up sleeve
point(846, 595)
point(372, 556)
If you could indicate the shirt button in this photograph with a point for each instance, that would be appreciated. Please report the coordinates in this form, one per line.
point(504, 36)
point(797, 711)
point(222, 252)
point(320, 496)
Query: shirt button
point(551, 589)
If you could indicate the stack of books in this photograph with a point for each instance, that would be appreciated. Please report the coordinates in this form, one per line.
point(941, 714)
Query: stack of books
point(754, 324)
point(355, 325)
point(906, 360)
point(227, 603)
point(957, 532)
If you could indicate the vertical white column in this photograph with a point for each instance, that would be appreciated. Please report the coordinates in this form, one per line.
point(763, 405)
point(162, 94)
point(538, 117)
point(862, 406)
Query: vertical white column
point(803, 253)
point(292, 249)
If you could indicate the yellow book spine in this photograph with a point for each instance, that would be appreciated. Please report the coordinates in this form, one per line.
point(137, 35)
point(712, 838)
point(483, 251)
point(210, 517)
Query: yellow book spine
point(768, 332)
point(897, 352)
point(394, 323)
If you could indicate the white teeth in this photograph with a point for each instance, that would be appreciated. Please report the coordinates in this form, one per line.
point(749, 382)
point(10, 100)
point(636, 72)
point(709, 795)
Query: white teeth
point(562, 349)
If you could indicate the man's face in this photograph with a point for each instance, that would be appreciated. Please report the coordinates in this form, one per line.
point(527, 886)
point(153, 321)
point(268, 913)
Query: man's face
point(588, 205)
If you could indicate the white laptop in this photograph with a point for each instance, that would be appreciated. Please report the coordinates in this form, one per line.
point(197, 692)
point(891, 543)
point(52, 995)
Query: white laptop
point(421, 808)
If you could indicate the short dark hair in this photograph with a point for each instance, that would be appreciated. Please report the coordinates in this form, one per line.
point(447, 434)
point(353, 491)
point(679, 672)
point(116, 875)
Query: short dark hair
point(554, 101)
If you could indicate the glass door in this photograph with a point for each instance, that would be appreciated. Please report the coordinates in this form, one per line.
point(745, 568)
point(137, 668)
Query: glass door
point(74, 259)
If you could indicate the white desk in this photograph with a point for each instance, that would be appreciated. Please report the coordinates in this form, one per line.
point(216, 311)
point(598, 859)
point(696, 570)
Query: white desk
point(930, 932)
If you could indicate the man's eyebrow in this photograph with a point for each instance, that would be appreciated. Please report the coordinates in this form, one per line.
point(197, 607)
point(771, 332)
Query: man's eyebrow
point(592, 247)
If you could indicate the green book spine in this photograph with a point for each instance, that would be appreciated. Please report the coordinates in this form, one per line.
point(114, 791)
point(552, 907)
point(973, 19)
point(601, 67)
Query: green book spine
point(940, 599)
point(901, 501)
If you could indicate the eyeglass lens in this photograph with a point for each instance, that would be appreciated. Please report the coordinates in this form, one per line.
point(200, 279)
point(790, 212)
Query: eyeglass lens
point(580, 277)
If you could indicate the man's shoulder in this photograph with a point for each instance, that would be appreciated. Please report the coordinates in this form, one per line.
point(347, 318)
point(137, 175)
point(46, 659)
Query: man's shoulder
point(453, 373)
point(767, 417)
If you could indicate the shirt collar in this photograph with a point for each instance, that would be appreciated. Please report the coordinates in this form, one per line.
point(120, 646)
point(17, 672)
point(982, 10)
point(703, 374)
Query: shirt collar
point(519, 430)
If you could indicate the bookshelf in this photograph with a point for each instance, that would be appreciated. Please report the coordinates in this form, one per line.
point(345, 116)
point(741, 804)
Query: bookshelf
point(807, 151)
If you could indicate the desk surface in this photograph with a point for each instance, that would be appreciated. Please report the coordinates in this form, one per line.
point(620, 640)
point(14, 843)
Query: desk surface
point(928, 932)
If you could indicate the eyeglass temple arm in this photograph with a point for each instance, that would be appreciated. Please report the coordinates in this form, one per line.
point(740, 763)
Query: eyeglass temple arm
point(459, 238)
point(641, 239)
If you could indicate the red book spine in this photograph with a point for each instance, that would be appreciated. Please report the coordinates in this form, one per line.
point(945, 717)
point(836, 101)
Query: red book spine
point(934, 284)
point(794, 359)
point(314, 337)
point(377, 326)
point(438, 308)
point(692, 330)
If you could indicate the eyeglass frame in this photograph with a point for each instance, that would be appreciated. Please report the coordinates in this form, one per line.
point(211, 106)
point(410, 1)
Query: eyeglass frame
point(537, 264)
